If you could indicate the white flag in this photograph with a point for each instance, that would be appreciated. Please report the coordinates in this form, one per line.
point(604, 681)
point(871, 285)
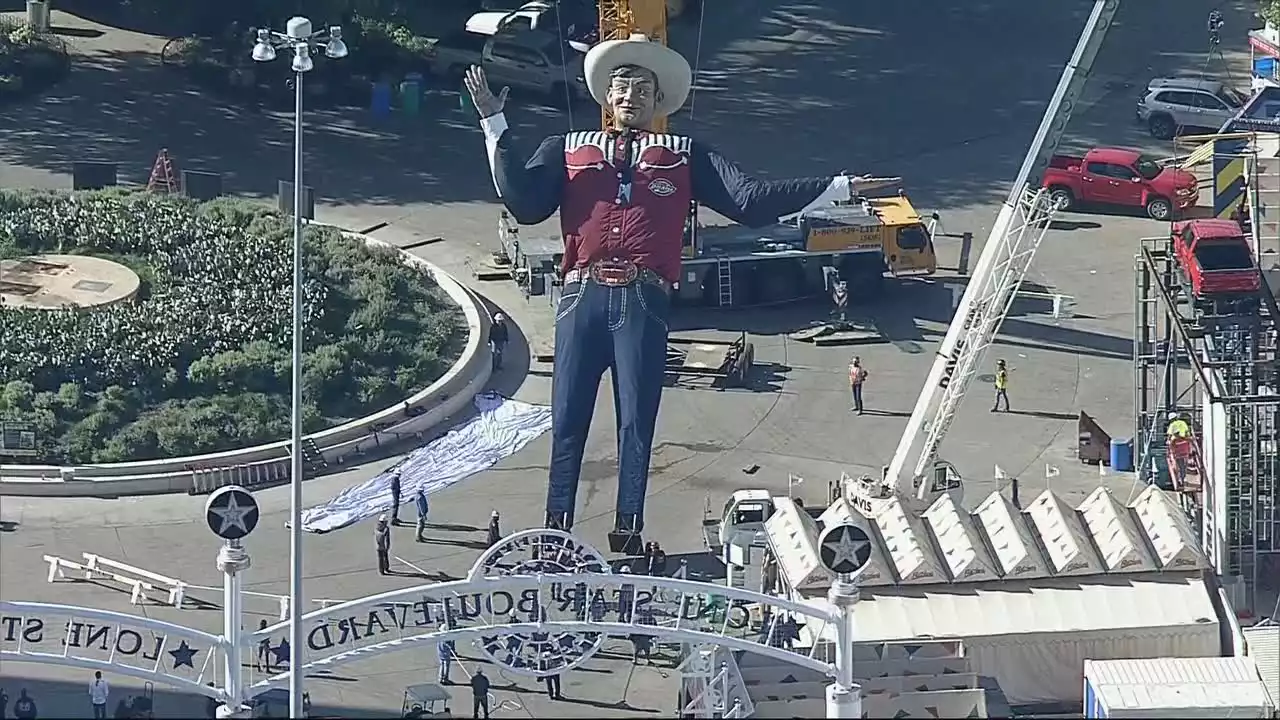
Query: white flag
point(1000, 474)
point(1051, 472)
point(794, 479)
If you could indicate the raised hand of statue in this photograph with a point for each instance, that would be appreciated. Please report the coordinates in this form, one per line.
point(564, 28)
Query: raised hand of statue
point(487, 104)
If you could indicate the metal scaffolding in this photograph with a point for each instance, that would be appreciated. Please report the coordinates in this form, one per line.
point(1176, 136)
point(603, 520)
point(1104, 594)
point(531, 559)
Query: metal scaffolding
point(1216, 362)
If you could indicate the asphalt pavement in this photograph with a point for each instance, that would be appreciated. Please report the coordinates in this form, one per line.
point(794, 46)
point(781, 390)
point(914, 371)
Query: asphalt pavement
point(946, 98)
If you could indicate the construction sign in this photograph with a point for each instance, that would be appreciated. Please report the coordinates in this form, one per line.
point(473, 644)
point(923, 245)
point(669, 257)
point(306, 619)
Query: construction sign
point(1228, 175)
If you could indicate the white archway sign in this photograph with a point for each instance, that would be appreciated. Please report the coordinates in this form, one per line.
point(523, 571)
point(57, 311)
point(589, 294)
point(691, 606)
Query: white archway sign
point(537, 603)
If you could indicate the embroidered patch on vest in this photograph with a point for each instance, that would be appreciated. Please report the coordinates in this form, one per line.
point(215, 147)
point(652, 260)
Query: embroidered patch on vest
point(662, 187)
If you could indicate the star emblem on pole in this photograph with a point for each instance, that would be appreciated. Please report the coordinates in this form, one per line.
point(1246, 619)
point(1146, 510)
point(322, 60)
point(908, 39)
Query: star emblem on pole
point(231, 513)
point(844, 549)
point(281, 652)
point(183, 655)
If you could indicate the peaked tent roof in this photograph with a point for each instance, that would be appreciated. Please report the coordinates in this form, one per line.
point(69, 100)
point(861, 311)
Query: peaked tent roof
point(1115, 534)
point(958, 539)
point(908, 545)
point(1014, 547)
point(793, 536)
point(1064, 537)
point(1168, 531)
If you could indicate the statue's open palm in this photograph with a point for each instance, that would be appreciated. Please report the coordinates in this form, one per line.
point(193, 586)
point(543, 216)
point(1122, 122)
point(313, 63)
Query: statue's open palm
point(487, 104)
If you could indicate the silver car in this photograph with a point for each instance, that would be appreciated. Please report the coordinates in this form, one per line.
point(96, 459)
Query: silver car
point(1171, 104)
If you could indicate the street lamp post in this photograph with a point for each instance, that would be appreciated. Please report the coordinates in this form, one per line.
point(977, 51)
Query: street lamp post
point(298, 37)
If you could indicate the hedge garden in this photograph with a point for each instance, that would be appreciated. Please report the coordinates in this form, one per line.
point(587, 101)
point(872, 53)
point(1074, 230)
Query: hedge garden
point(199, 361)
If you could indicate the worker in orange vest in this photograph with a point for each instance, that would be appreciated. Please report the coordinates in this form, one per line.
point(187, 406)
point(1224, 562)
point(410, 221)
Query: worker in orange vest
point(857, 376)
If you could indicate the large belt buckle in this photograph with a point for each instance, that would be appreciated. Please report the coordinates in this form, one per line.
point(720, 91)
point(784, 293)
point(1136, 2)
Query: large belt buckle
point(614, 273)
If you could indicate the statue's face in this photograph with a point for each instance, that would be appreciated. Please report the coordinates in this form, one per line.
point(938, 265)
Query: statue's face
point(633, 95)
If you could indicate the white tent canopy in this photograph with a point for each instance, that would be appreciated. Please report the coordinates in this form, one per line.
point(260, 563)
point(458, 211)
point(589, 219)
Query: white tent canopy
point(1033, 636)
point(947, 544)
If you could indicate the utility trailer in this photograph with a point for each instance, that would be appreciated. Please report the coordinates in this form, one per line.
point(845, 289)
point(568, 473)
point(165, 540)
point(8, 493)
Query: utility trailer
point(727, 362)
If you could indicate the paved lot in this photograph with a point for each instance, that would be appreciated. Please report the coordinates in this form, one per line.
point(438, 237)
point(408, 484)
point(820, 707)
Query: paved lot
point(948, 104)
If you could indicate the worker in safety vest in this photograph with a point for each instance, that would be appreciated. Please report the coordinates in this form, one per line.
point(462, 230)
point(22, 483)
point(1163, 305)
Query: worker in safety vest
point(1002, 386)
point(1178, 436)
point(857, 376)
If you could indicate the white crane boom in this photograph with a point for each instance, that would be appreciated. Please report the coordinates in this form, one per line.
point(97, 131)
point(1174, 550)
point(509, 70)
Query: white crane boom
point(1005, 259)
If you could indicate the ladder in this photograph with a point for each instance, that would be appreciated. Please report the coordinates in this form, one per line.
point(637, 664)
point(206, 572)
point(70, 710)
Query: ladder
point(724, 269)
point(162, 175)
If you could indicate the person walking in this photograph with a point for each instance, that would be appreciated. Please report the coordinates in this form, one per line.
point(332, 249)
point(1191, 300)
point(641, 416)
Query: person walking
point(420, 499)
point(1002, 386)
point(382, 540)
point(495, 529)
point(857, 376)
point(395, 496)
point(479, 694)
point(99, 691)
point(499, 334)
point(4, 704)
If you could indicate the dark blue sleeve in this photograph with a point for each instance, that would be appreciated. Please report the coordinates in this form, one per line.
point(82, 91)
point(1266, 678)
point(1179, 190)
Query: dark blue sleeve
point(724, 187)
point(530, 189)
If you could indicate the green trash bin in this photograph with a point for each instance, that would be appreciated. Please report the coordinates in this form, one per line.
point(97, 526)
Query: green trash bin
point(411, 94)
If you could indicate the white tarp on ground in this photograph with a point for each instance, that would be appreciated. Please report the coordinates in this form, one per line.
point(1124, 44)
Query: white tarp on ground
point(500, 429)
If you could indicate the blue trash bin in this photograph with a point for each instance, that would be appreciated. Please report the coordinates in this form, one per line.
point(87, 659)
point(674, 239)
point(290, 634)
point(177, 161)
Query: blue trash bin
point(380, 99)
point(1121, 454)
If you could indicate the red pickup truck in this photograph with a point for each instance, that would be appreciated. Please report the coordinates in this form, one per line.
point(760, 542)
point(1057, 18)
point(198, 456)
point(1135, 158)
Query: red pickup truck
point(1116, 176)
point(1215, 257)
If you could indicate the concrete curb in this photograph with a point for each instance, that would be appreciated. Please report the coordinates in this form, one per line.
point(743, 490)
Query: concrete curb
point(446, 398)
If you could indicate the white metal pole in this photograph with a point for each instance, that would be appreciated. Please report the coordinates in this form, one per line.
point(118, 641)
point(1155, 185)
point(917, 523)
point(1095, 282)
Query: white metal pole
point(295, 412)
point(844, 696)
point(232, 561)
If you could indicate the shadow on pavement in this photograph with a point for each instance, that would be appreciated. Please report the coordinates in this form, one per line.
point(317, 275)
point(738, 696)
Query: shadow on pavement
point(63, 699)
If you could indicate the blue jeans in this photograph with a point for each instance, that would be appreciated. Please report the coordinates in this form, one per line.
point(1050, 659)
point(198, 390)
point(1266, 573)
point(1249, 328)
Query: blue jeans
point(623, 329)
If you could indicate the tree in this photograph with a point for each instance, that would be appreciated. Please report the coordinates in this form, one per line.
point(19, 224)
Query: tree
point(1269, 10)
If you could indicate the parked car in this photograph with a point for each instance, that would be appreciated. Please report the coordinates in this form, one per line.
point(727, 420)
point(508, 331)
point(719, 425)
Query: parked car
point(531, 61)
point(576, 21)
point(1215, 257)
point(1171, 105)
point(1120, 177)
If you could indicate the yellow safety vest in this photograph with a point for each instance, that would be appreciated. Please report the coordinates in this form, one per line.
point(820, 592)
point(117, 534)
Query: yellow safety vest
point(1179, 429)
point(1002, 379)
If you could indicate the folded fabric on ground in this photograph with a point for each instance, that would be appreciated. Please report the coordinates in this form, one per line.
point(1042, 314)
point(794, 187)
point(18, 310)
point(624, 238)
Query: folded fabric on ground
point(500, 429)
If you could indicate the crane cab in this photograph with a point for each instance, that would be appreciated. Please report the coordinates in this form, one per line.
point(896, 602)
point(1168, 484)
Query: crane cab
point(743, 519)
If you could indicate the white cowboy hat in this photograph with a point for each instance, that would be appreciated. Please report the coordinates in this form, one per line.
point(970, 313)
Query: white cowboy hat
point(673, 72)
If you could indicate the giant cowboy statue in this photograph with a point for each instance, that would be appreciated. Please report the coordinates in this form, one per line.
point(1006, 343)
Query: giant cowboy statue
point(623, 195)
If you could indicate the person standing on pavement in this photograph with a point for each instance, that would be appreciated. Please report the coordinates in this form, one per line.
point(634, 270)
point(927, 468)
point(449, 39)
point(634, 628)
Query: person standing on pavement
point(552, 681)
point(420, 499)
point(495, 529)
point(24, 708)
point(263, 664)
point(382, 540)
point(499, 334)
point(98, 694)
point(395, 496)
point(857, 376)
point(1002, 386)
point(446, 653)
point(479, 694)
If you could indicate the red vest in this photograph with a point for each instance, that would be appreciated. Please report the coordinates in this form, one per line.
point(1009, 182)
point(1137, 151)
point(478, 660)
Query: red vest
point(649, 228)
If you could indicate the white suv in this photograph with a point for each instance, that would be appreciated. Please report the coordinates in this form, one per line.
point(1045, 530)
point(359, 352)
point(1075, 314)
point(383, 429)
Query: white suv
point(1171, 104)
